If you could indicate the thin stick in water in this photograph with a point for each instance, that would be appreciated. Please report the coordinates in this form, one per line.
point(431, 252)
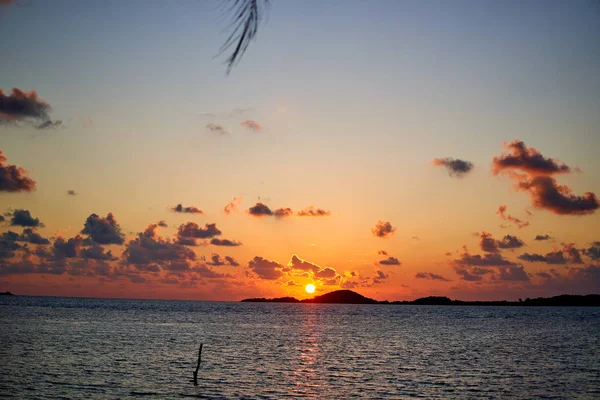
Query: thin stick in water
point(198, 366)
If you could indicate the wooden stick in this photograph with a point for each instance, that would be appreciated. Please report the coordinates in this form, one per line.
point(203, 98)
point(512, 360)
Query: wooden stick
point(198, 366)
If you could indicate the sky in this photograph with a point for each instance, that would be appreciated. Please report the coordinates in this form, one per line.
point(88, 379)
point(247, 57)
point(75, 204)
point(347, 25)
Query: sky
point(397, 149)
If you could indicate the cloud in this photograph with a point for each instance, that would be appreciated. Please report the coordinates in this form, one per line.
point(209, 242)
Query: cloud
point(192, 230)
point(97, 252)
point(496, 273)
point(382, 252)
point(252, 125)
point(476, 260)
point(24, 218)
point(568, 254)
point(432, 276)
point(507, 217)
point(162, 224)
point(6, 3)
point(224, 242)
point(32, 237)
point(311, 211)
point(543, 237)
point(179, 208)
point(593, 252)
point(456, 167)
point(216, 260)
point(292, 283)
point(13, 178)
point(546, 194)
point(62, 248)
point(149, 248)
point(283, 212)
point(205, 272)
point(71, 193)
point(103, 230)
point(216, 128)
point(510, 242)
point(232, 205)
point(390, 261)
point(21, 105)
point(49, 124)
point(260, 210)
point(265, 269)
point(303, 265)
point(519, 157)
point(383, 229)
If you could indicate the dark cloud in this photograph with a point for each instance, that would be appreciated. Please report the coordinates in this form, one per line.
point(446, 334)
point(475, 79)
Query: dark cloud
point(150, 248)
point(303, 265)
point(260, 210)
point(224, 242)
point(568, 254)
point(313, 212)
point(49, 124)
point(21, 105)
point(379, 278)
point(326, 273)
point(512, 273)
point(593, 251)
point(383, 229)
point(62, 248)
point(283, 212)
point(455, 166)
point(292, 283)
point(216, 128)
point(510, 242)
point(543, 237)
point(529, 160)
point(507, 217)
point(24, 218)
point(103, 230)
point(192, 230)
point(382, 252)
point(432, 276)
point(390, 261)
point(97, 252)
point(162, 224)
point(252, 125)
point(30, 236)
point(546, 194)
point(71, 193)
point(13, 178)
point(8, 244)
point(216, 260)
point(205, 272)
point(179, 208)
point(476, 260)
point(265, 269)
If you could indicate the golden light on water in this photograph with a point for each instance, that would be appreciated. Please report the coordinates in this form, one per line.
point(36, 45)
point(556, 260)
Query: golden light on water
point(310, 288)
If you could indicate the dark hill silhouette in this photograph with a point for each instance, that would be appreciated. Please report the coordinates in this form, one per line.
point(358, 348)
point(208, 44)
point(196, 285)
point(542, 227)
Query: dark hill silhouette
point(350, 297)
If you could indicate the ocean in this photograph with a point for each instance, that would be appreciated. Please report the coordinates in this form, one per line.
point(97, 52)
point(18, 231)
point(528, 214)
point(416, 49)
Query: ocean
point(76, 348)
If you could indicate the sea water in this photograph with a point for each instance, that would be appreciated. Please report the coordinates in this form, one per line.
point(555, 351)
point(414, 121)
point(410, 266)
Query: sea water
point(107, 349)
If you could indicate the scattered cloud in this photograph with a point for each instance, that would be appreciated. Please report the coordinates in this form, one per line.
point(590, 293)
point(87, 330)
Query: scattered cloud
point(265, 269)
point(24, 218)
point(382, 252)
point(252, 125)
point(383, 229)
point(20, 105)
point(568, 254)
point(192, 230)
point(71, 193)
point(456, 167)
point(260, 210)
point(519, 157)
point(13, 178)
point(546, 194)
point(432, 276)
point(179, 208)
point(313, 212)
point(476, 260)
point(216, 128)
point(543, 237)
point(216, 261)
point(225, 242)
point(390, 261)
point(507, 217)
point(593, 251)
point(232, 205)
point(103, 230)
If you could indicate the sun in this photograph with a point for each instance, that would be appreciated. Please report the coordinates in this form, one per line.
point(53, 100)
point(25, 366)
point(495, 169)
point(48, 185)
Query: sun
point(310, 288)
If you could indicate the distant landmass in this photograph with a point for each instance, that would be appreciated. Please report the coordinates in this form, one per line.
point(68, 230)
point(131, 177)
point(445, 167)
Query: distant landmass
point(350, 297)
point(6, 294)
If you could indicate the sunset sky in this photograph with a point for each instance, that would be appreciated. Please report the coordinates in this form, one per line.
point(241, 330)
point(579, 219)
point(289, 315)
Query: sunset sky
point(400, 149)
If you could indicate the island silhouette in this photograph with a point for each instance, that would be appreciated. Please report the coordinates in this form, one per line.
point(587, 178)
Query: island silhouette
point(351, 297)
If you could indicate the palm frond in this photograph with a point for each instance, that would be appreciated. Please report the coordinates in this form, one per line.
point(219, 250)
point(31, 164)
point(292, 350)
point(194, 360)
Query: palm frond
point(246, 17)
